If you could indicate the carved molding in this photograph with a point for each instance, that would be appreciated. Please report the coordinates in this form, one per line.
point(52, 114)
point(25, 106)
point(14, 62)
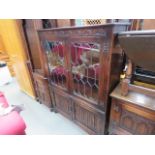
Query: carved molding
point(81, 32)
point(136, 124)
point(89, 119)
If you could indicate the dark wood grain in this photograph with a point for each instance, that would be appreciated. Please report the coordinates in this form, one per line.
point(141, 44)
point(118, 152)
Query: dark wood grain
point(134, 113)
point(88, 113)
point(37, 61)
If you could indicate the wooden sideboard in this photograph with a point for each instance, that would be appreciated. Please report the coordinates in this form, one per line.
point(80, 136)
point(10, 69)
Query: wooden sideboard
point(133, 101)
point(132, 114)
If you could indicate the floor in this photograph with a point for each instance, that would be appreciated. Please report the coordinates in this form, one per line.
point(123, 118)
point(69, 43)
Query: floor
point(38, 118)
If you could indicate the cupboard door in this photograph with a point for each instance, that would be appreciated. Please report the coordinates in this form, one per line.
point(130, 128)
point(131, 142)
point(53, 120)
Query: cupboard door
point(56, 58)
point(42, 90)
point(85, 67)
point(63, 104)
point(90, 119)
point(136, 124)
point(124, 121)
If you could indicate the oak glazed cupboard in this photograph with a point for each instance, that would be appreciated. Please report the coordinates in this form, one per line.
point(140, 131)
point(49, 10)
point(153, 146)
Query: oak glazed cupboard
point(83, 65)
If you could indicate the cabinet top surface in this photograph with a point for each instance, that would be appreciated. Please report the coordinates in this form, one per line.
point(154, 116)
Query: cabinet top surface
point(140, 32)
point(134, 98)
point(83, 27)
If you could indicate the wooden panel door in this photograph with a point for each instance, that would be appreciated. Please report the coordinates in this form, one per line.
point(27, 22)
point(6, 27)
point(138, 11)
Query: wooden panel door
point(42, 89)
point(90, 118)
point(125, 120)
point(63, 103)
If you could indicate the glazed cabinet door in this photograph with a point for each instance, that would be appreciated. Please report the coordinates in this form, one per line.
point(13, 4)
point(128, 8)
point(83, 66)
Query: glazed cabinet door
point(125, 119)
point(56, 56)
point(85, 67)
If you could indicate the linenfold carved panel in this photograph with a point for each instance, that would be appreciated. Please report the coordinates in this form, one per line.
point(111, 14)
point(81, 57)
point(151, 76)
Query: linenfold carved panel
point(89, 119)
point(64, 104)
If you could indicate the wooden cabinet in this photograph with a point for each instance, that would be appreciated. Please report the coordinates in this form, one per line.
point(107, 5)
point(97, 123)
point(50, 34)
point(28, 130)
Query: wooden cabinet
point(133, 106)
point(30, 28)
point(134, 114)
point(84, 64)
point(42, 89)
point(36, 61)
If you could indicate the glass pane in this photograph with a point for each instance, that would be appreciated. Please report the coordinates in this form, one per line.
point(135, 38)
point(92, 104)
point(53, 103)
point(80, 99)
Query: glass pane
point(55, 56)
point(85, 69)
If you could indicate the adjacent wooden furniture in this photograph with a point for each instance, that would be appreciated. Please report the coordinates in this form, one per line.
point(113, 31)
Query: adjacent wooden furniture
point(143, 24)
point(14, 43)
point(65, 22)
point(148, 24)
point(83, 66)
point(36, 63)
point(4, 57)
point(133, 106)
point(132, 114)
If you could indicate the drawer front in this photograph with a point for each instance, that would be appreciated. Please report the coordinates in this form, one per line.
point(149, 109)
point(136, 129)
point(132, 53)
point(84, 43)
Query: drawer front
point(63, 104)
point(128, 121)
point(42, 90)
point(90, 119)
